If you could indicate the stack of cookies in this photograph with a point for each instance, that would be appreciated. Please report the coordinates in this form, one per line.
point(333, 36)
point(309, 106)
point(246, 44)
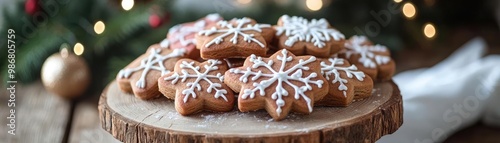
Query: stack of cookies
point(212, 64)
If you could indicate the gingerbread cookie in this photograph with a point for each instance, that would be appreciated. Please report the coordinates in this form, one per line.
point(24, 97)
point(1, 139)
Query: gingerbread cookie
point(374, 60)
point(141, 76)
point(303, 37)
point(238, 38)
point(183, 35)
point(197, 86)
point(279, 84)
point(346, 82)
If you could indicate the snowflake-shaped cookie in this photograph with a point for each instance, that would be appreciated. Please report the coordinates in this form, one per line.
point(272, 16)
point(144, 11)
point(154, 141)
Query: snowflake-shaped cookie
point(141, 76)
point(182, 36)
point(346, 82)
point(303, 37)
point(234, 39)
point(278, 84)
point(374, 60)
point(198, 86)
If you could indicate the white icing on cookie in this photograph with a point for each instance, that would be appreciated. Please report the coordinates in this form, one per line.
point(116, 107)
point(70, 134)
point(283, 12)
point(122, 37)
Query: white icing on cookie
point(335, 68)
point(314, 31)
point(153, 62)
point(205, 76)
point(281, 77)
point(368, 58)
point(213, 17)
point(182, 31)
point(164, 43)
point(235, 30)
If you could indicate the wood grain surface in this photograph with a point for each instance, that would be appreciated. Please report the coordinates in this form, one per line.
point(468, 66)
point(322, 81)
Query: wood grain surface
point(132, 120)
point(85, 127)
point(40, 116)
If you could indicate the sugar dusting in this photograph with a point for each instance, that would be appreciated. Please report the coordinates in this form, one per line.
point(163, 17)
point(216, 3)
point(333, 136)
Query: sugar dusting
point(172, 115)
point(259, 119)
point(249, 120)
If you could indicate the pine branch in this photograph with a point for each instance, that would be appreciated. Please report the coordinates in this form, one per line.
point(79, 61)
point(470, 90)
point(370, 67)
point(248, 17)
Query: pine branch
point(30, 56)
point(121, 28)
point(127, 52)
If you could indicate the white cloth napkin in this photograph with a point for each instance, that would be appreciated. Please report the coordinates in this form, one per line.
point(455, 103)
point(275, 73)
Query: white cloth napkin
point(453, 94)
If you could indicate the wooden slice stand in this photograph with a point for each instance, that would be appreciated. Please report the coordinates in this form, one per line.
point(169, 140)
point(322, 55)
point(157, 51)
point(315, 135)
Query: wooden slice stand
point(132, 120)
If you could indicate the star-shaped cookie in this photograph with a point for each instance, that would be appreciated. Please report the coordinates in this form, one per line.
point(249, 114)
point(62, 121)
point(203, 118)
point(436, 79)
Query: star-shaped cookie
point(346, 82)
point(182, 36)
point(238, 38)
point(141, 76)
point(374, 60)
point(304, 37)
point(197, 86)
point(279, 84)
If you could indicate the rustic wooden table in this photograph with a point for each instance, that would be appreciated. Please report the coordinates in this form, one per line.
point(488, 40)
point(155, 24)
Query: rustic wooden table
point(43, 117)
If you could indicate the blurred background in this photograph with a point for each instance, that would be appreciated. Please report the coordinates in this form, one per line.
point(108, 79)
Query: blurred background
point(108, 34)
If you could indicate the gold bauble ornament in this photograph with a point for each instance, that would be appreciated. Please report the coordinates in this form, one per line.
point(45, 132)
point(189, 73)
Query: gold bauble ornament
point(65, 74)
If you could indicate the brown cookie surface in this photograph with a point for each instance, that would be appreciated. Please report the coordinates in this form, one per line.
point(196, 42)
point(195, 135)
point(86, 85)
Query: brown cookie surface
point(346, 82)
point(304, 37)
point(197, 86)
point(141, 76)
point(374, 60)
point(238, 38)
point(183, 35)
point(279, 84)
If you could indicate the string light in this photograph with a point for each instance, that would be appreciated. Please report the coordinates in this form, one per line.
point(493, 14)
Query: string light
point(314, 5)
point(398, 1)
point(244, 1)
point(127, 4)
point(429, 30)
point(409, 10)
point(78, 49)
point(99, 27)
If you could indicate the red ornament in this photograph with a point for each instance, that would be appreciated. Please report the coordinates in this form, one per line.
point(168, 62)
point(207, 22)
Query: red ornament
point(31, 6)
point(155, 21)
